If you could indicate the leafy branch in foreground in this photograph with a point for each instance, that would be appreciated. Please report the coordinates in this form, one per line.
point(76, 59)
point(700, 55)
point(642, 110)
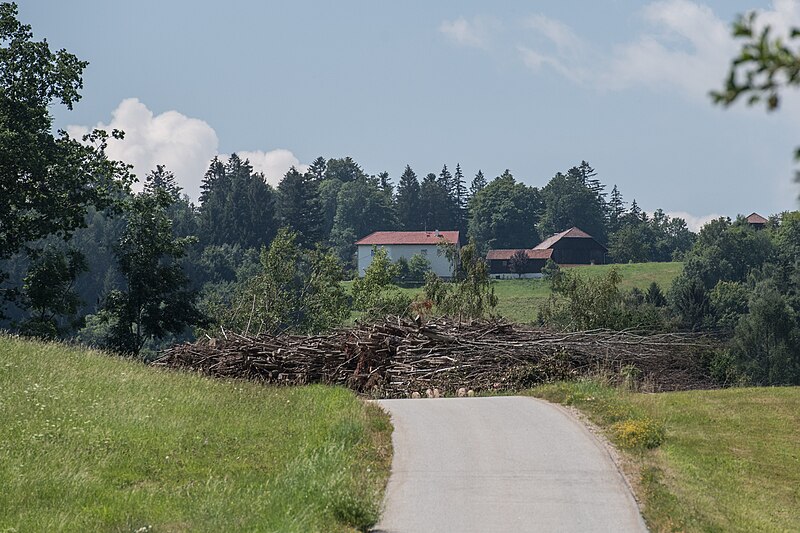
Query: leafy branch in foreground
point(766, 64)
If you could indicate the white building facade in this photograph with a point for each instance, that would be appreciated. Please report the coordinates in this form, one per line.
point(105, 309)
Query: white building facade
point(406, 244)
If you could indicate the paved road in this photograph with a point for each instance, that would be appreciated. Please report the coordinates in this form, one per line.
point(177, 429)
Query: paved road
point(500, 464)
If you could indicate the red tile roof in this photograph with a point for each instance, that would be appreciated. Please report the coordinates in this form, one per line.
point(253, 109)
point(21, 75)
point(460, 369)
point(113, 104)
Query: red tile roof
point(408, 237)
point(755, 218)
point(506, 254)
point(572, 233)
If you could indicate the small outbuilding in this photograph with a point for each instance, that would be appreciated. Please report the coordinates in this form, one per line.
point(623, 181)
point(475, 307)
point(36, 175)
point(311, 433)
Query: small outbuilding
point(756, 221)
point(500, 263)
point(406, 244)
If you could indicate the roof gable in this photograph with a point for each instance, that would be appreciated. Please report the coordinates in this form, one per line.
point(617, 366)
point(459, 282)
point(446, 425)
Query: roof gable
point(383, 238)
point(755, 218)
point(572, 233)
point(506, 254)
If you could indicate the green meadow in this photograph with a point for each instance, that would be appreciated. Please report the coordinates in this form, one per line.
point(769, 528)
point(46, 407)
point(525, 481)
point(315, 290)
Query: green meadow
point(718, 460)
point(91, 442)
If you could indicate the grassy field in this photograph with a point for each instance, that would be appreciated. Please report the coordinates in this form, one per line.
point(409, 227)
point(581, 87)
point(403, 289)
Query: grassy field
point(725, 460)
point(90, 442)
point(519, 299)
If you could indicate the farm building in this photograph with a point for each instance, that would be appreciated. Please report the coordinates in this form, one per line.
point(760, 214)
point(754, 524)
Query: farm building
point(756, 221)
point(571, 247)
point(500, 263)
point(406, 244)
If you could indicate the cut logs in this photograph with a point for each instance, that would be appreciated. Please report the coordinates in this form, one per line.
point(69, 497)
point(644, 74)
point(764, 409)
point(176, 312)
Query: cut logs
point(396, 357)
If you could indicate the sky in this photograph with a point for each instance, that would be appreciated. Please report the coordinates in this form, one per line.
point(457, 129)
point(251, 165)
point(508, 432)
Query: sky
point(532, 86)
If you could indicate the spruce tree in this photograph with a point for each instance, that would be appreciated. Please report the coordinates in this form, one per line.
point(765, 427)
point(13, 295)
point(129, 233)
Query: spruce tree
point(408, 201)
point(317, 169)
point(299, 207)
point(615, 210)
point(461, 197)
point(237, 205)
point(478, 183)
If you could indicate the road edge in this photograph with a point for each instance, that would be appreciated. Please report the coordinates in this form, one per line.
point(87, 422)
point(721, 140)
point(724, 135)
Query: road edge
point(577, 417)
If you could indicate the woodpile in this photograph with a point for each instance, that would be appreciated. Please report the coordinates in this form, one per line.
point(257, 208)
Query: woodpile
point(399, 357)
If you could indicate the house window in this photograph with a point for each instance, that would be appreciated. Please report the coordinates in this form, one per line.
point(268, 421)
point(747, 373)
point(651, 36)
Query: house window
point(372, 252)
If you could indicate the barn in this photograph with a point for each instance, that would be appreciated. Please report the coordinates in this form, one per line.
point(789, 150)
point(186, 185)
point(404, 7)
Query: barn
point(406, 244)
point(574, 247)
point(571, 247)
point(500, 263)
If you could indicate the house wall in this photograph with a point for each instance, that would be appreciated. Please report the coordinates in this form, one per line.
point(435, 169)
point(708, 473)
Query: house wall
point(439, 263)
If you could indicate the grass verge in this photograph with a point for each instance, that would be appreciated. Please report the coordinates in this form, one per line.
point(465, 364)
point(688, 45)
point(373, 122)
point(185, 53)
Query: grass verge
point(723, 460)
point(90, 442)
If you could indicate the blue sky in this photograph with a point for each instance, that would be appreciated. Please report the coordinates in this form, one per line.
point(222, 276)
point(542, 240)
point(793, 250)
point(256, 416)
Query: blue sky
point(531, 86)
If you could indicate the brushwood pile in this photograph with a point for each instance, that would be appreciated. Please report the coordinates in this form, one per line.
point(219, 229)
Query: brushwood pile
point(396, 357)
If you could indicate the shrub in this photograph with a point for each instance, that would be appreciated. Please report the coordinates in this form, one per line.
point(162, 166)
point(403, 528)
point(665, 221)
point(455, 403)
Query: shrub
point(638, 433)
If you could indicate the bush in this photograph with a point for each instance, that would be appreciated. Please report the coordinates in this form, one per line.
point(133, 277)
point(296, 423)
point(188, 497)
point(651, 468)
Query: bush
point(470, 296)
point(583, 303)
point(641, 433)
point(375, 295)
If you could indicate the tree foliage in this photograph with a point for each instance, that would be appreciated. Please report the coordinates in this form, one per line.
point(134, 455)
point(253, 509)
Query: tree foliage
point(504, 214)
point(47, 182)
point(295, 290)
point(156, 300)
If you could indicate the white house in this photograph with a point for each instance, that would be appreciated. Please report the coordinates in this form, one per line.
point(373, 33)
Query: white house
point(406, 244)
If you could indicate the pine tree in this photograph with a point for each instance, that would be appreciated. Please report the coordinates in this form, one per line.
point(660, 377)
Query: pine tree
point(237, 205)
point(299, 206)
point(615, 210)
point(162, 179)
point(478, 183)
point(446, 181)
point(461, 197)
point(317, 169)
point(386, 185)
point(408, 201)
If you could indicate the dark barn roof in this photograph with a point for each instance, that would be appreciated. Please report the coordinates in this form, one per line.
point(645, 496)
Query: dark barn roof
point(572, 233)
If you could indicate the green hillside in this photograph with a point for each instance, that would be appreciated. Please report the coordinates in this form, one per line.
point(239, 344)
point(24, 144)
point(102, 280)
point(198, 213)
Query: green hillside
point(90, 442)
point(728, 460)
point(519, 299)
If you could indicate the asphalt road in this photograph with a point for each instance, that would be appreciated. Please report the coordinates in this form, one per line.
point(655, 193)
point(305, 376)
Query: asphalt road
point(500, 464)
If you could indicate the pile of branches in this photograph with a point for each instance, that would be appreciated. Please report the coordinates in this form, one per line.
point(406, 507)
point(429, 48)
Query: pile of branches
point(398, 357)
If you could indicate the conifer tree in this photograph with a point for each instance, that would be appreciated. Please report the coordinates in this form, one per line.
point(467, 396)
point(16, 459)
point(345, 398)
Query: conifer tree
point(478, 183)
point(317, 169)
point(461, 198)
point(615, 210)
point(299, 207)
point(408, 201)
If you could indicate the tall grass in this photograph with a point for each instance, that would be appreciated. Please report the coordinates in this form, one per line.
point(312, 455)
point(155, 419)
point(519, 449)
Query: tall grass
point(89, 442)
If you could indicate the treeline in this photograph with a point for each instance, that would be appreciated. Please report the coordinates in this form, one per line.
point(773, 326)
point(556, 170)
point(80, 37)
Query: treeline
point(738, 282)
point(335, 203)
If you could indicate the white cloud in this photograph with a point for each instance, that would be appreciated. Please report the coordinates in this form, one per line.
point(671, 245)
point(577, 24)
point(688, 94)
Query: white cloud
point(556, 32)
point(694, 222)
point(183, 144)
point(688, 48)
point(536, 60)
point(273, 164)
point(463, 32)
point(683, 45)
